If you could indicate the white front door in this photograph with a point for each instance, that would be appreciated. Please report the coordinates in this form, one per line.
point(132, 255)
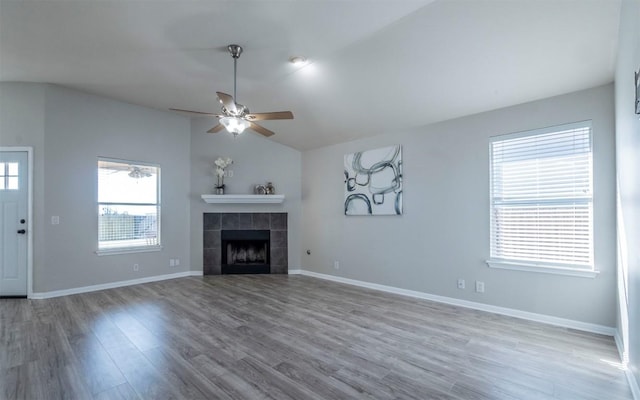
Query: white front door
point(13, 223)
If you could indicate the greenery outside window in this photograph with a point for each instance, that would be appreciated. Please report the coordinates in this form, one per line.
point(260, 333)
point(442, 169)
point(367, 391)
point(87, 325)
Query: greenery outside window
point(128, 206)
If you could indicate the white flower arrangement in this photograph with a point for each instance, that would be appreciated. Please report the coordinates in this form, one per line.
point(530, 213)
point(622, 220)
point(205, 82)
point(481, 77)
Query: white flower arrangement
point(223, 162)
point(220, 165)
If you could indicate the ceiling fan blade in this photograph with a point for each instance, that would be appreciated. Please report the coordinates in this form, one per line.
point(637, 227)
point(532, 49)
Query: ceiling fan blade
point(216, 128)
point(228, 102)
point(260, 129)
point(192, 112)
point(269, 115)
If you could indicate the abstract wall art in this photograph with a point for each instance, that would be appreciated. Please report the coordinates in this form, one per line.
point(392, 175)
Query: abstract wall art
point(373, 182)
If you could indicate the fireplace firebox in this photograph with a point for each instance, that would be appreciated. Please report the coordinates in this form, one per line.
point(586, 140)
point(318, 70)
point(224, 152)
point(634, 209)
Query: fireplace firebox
point(277, 249)
point(245, 251)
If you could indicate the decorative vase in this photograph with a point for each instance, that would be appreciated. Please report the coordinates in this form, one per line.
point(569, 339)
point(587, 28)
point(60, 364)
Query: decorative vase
point(220, 184)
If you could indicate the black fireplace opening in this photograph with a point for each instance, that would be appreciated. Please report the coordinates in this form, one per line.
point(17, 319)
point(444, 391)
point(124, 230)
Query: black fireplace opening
point(245, 251)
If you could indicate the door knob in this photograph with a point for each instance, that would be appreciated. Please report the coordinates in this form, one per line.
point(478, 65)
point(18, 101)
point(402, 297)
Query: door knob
point(22, 231)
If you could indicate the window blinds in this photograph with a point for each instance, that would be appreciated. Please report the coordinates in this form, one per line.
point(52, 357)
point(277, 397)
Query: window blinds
point(541, 197)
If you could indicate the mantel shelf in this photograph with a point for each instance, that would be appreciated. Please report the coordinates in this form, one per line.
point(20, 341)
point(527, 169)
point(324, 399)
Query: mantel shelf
point(243, 198)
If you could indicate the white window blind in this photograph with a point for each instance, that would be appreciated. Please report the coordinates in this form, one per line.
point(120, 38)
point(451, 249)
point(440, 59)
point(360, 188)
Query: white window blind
point(128, 205)
point(541, 197)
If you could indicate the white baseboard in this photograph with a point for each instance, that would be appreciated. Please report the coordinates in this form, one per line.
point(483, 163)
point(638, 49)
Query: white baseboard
point(112, 285)
point(633, 383)
point(547, 319)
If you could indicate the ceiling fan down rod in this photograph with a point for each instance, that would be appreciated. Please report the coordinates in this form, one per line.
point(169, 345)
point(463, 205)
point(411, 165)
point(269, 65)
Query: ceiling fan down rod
point(235, 51)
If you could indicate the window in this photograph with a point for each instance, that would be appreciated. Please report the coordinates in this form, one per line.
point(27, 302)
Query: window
point(128, 206)
point(9, 176)
point(542, 201)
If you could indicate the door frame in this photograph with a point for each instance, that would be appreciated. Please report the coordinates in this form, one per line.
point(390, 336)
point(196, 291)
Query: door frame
point(29, 151)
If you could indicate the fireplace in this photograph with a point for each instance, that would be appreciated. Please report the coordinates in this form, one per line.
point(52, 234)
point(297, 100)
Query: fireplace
point(245, 251)
point(248, 258)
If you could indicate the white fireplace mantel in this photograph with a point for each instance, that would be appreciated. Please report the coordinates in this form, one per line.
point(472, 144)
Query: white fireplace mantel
point(243, 198)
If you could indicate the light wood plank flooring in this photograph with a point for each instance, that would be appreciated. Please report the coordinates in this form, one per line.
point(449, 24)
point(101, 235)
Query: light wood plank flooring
point(289, 337)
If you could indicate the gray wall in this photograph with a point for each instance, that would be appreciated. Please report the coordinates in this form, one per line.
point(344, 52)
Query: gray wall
point(76, 129)
point(444, 232)
point(255, 160)
point(628, 168)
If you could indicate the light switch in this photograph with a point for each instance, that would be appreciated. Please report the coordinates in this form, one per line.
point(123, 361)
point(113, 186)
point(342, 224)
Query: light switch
point(55, 220)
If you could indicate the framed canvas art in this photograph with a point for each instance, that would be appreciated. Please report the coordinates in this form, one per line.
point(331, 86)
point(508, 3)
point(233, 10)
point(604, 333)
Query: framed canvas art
point(373, 182)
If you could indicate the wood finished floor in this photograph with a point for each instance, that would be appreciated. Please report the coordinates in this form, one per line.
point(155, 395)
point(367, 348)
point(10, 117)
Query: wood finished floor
point(289, 337)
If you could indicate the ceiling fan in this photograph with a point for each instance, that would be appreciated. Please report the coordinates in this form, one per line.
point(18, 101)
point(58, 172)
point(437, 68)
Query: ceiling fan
point(236, 117)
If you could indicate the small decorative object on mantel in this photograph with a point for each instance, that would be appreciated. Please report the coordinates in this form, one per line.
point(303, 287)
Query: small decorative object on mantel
point(264, 189)
point(269, 188)
point(221, 164)
point(259, 189)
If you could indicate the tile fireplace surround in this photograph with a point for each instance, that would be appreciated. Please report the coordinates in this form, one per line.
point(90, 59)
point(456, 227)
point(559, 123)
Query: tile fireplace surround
point(214, 223)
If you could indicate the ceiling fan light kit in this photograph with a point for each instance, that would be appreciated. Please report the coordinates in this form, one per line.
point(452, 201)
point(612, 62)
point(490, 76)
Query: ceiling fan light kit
point(235, 117)
point(234, 125)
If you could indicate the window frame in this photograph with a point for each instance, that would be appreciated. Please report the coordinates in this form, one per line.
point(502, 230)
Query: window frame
point(134, 248)
point(6, 177)
point(558, 268)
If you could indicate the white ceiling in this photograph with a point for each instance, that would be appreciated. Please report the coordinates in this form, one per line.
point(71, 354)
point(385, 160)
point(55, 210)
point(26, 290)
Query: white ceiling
point(377, 66)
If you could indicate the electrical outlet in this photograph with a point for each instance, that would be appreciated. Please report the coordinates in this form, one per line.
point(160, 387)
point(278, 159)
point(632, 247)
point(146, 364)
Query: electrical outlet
point(136, 267)
point(177, 262)
point(55, 220)
point(461, 284)
point(479, 286)
point(336, 264)
point(172, 262)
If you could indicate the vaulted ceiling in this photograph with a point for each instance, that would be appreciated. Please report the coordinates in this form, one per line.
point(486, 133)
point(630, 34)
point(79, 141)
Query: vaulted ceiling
point(376, 66)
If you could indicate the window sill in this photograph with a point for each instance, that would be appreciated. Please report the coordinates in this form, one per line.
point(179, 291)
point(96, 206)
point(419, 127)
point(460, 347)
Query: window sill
point(517, 266)
point(108, 252)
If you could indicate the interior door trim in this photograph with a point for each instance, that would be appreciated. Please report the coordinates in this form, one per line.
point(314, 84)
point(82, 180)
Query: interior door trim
point(29, 151)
